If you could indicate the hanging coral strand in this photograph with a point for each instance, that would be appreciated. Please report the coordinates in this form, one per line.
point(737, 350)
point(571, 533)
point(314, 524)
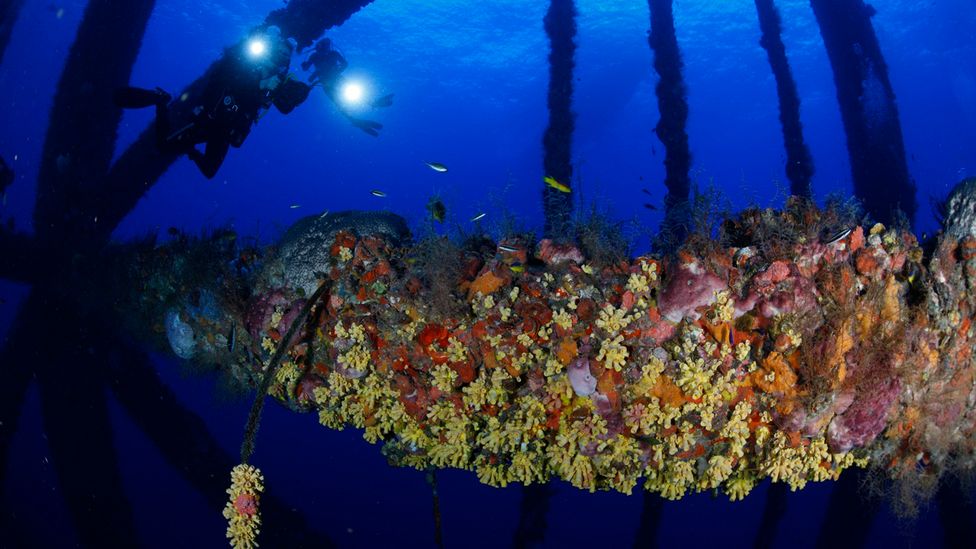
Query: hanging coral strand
point(247, 448)
point(242, 512)
point(438, 532)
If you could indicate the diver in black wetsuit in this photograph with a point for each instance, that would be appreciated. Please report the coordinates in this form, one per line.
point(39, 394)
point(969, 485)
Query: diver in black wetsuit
point(243, 85)
point(327, 65)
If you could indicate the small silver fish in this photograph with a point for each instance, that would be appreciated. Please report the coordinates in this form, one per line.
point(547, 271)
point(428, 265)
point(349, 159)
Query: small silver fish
point(295, 206)
point(510, 249)
point(325, 213)
point(478, 217)
point(232, 340)
point(436, 166)
point(379, 194)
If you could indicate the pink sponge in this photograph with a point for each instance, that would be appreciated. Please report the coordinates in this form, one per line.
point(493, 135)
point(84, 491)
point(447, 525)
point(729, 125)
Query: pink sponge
point(690, 287)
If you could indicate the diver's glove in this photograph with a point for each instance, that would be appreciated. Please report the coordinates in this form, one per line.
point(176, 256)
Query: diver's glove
point(129, 97)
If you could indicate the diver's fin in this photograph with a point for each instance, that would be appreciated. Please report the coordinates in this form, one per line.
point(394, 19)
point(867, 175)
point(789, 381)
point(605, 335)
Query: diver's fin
point(369, 126)
point(138, 98)
point(384, 101)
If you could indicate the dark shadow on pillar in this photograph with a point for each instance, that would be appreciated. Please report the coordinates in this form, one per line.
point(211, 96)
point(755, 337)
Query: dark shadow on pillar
point(850, 513)
point(670, 130)
point(868, 109)
point(957, 515)
point(9, 10)
point(19, 253)
point(799, 164)
point(560, 24)
point(531, 528)
point(79, 433)
point(83, 124)
point(772, 515)
point(183, 440)
point(650, 521)
point(18, 352)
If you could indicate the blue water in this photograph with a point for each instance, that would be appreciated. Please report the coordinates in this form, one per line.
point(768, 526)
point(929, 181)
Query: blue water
point(470, 82)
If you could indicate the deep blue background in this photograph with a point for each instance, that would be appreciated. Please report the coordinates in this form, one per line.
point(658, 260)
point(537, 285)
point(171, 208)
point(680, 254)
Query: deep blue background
point(470, 82)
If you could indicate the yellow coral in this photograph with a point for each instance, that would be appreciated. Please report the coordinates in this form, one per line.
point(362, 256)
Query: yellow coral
point(694, 376)
point(739, 486)
point(613, 353)
point(783, 464)
point(563, 319)
point(242, 511)
point(637, 284)
point(475, 394)
point(340, 384)
point(580, 473)
point(491, 436)
point(456, 350)
point(497, 393)
point(650, 269)
point(444, 378)
point(676, 478)
point(724, 308)
point(506, 313)
point(513, 294)
point(285, 378)
point(354, 413)
point(527, 468)
point(612, 319)
point(719, 469)
point(492, 474)
point(449, 455)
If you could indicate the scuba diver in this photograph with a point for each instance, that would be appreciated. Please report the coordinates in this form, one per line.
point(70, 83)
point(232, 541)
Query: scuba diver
point(250, 78)
point(327, 65)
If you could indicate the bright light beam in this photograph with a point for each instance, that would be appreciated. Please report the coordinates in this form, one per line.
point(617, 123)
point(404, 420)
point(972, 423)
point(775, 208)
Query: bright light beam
point(257, 47)
point(353, 93)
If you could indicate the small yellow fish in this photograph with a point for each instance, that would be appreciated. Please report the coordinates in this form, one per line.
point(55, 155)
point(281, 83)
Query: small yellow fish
point(380, 194)
point(517, 269)
point(436, 166)
point(551, 181)
point(437, 209)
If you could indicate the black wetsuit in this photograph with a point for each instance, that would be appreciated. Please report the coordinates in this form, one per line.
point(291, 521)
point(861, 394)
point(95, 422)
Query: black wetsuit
point(238, 89)
point(230, 105)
